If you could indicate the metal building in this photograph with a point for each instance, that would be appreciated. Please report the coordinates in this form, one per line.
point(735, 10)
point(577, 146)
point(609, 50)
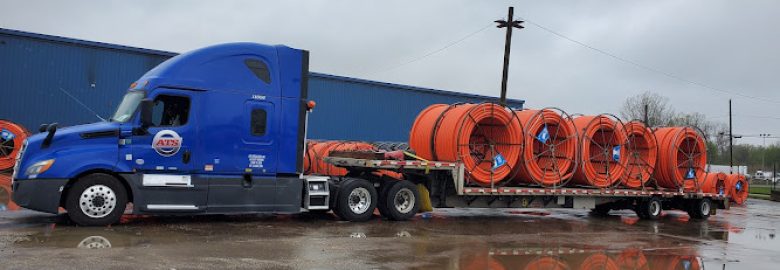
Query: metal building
point(45, 79)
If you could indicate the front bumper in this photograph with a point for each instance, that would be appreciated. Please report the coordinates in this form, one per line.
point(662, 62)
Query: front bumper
point(39, 194)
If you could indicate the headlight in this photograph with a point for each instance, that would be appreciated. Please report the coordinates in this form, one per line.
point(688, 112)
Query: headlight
point(39, 167)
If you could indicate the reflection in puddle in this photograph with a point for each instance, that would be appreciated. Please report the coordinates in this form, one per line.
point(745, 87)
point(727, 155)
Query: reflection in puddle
point(94, 242)
point(6, 204)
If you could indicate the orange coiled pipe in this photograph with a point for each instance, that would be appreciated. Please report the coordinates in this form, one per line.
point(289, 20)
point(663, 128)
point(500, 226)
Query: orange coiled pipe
point(603, 151)
point(549, 156)
point(6, 203)
point(598, 261)
point(682, 157)
point(12, 138)
point(714, 183)
point(486, 137)
point(318, 151)
point(642, 155)
point(547, 263)
point(738, 187)
point(632, 258)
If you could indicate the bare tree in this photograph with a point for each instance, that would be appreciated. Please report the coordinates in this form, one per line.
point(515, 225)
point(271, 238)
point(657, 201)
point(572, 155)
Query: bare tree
point(659, 112)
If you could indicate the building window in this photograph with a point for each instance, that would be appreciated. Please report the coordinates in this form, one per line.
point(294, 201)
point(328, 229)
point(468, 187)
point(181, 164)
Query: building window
point(258, 124)
point(259, 68)
point(170, 111)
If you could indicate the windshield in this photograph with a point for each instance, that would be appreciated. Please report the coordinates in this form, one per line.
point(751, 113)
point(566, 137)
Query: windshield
point(126, 109)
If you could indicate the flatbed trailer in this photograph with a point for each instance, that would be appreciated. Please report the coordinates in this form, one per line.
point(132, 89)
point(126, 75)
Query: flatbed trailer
point(447, 185)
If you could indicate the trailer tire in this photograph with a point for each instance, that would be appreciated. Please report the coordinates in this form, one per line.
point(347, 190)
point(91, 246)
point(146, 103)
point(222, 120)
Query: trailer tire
point(650, 209)
point(96, 200)
point(700, 209)
point(402, 201)
point(357, 200)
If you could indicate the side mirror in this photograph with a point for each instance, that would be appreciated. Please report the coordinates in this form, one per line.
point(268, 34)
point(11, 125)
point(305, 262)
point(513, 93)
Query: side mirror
point(147, 105)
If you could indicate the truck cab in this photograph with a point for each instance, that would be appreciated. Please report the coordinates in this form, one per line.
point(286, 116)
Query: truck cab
point(216, 130)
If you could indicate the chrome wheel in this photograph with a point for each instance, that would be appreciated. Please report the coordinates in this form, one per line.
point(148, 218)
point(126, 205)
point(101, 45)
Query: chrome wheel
point(404, 201)
point(705, 208)
point(97, 201)
point(359, 200)
point(655, 208)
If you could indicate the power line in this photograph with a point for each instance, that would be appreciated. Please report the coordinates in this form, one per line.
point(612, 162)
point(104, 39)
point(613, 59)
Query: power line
point(453, 43)
point(649, 68)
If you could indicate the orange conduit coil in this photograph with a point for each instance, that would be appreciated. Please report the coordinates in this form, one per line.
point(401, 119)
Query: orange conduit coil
point(12, 137)
point(598, 261)
point(682, 156)
point(549, 156)
point(547, 263)
point(714, 183)
point(603, 151)
point(632, 258)
point(642, 155)
point(6, 203)
point(738, 187)
point(316, 151)
point(476, 134)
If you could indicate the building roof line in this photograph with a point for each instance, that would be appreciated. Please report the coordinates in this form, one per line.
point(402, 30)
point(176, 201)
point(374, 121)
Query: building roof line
point(411, 88)
point(80, 42)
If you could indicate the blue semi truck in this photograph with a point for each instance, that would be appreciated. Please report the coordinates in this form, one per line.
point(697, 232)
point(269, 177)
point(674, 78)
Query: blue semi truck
point(222, 130)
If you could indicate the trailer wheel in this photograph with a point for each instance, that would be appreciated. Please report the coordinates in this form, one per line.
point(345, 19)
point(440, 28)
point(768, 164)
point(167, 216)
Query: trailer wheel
point(700, 209)
point(402, 201)
point(96, 200)
point(650, 209)
point(357, 200)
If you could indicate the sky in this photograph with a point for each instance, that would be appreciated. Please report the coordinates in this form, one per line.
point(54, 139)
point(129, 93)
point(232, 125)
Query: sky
point(698, 53)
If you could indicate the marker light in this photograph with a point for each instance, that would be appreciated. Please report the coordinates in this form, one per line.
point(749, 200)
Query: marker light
point(311, 104)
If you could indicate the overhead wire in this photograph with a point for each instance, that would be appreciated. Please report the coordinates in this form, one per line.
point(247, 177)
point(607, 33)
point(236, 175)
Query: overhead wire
point(431, 53)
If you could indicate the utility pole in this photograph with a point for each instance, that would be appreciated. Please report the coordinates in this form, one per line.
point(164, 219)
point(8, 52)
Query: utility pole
point(646, 120)
point(731, 143)
point(509, 24)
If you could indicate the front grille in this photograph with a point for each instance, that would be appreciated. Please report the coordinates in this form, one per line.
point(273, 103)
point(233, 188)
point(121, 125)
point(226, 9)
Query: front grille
point(18, 161)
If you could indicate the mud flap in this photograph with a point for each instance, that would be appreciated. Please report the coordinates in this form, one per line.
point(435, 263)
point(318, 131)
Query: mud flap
point(425, 199)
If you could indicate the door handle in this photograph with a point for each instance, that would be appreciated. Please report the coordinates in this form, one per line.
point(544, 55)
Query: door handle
point(185, 157)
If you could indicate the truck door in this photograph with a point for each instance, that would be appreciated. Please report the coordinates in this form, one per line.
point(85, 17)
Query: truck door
point(163, 154)
point(254, 188)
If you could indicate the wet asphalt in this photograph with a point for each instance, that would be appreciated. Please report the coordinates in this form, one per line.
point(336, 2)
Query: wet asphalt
point(743, 237)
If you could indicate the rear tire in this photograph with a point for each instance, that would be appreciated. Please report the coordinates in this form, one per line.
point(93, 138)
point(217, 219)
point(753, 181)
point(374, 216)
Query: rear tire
point(700, 209)
point(402, 201)
point(356, 201)
point(382, 203)
point(96, 200)
point(650, 209)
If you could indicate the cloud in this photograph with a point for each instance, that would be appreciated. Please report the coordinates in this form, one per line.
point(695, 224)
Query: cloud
point(725, 44)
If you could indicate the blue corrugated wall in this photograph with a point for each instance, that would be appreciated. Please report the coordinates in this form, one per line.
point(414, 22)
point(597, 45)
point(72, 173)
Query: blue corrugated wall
point(39, 72)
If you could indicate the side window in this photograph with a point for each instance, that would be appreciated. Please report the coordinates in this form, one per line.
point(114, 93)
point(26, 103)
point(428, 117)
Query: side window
point(170, 111)
point(259, 68)
point(258, 122)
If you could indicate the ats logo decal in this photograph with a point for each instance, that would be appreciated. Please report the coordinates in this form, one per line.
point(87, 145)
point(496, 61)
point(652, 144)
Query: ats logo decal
point(166, 143)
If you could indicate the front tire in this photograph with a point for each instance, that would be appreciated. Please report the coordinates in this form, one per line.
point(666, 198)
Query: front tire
point(96, 200)
point(357, 200)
